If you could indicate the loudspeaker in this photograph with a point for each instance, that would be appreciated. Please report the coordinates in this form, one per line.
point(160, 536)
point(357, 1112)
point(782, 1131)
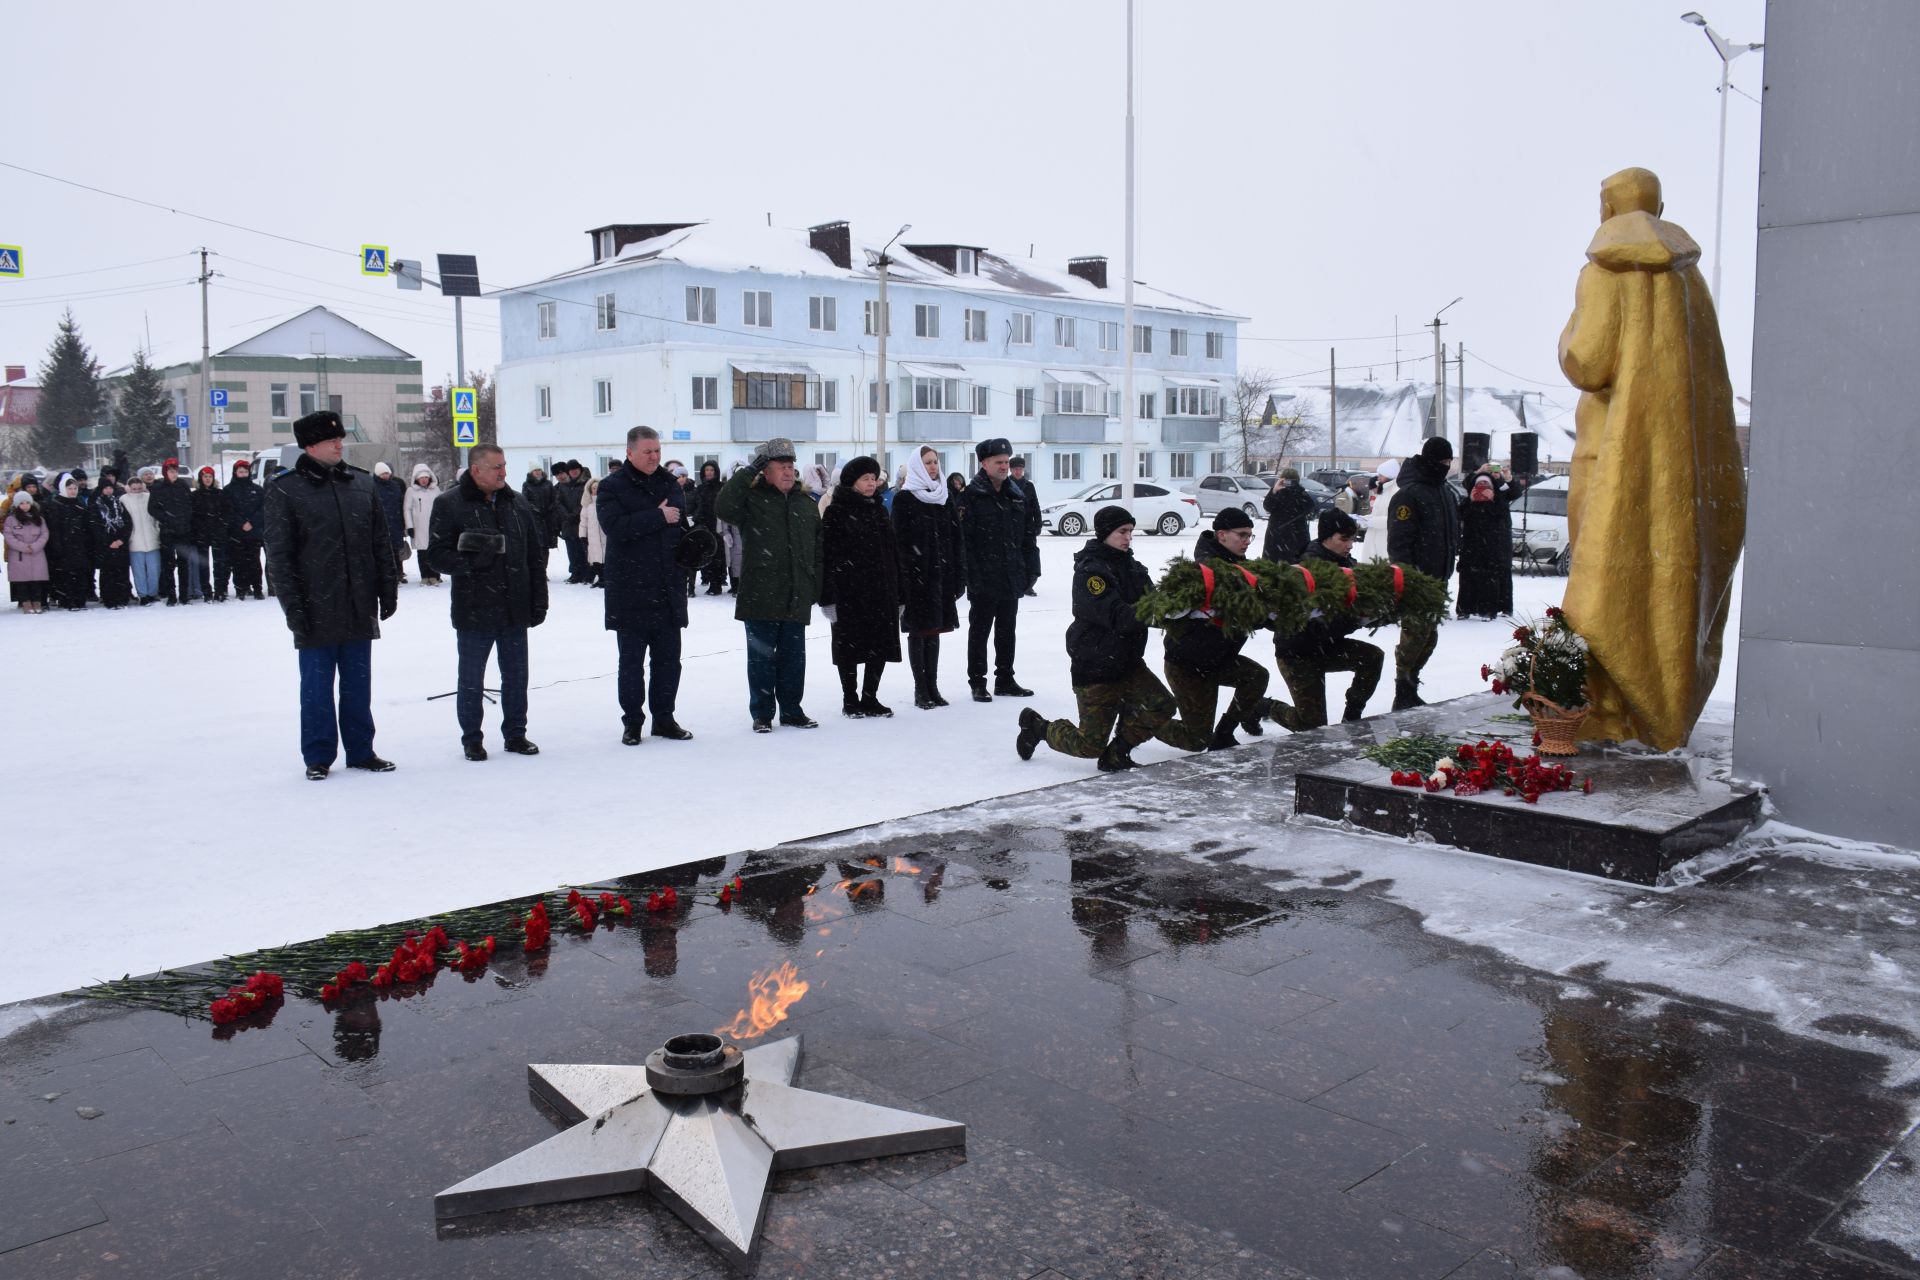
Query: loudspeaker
point(1474, 446)
point(1526, 454)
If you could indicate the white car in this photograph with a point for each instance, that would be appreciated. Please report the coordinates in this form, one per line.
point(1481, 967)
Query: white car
point(1540, 527)
point(1154, 510)
point(1219, 491)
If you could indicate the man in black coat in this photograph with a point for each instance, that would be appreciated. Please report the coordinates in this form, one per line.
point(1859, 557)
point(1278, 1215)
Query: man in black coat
point(567, 497)
point(170, 503)
point(1326, 643)
point(1289, 514)
point(487, 541)
point(993, 519)
point(714, 571)
point(1423, 532)
point(1202, 656)
point(246, 525)
point(1018, 469)
point(538, 491)
point(643, 520)
point(393, 504)
point(333, 569)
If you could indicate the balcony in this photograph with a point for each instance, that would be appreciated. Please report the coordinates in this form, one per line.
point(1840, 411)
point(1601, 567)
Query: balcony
point(926, 426)
point(1175, 430)
point(1073, 428)
point(751, 426)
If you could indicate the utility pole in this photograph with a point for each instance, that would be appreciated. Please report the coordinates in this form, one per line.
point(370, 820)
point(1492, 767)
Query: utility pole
point(880, 386)
point(1460, 385)
point(199, 437)
point(1333, 412)
point(1396, 348)
point(1129, 458)
point(1438, 426)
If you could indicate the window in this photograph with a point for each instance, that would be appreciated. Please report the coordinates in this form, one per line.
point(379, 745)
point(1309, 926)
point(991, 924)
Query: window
point(1023, 402)
point(873, 398)
point(309, 398)
point(549, 322)
point(775, 390)
point(982, 402)
point(939, 393)
point(277, 397)
point(1181, 465)
point(700, 305)
point(872, 312)
point(966, 262)
point(603, 396)
point(606, 245)
point(1109, 335)
point(829, 397)
point(1066, 466)
point(1217, 462)
point(1193, 402)
point(1070, 398)
point(831, 461)
point(699, 460)
point(1146, 467)
point(1543, 502)
point(756, 309)
point(1022, 327)
point(1146, 404)
point(706, 395)
point(543, 403)
point(976, 324)
point(926, 320)
point(1113, 404)
point(1109, 466)
point(823, 313)
point(1216, 345)
point(1143, 339)
point(1063, 331)
point(603, 312)
point(1176, 342)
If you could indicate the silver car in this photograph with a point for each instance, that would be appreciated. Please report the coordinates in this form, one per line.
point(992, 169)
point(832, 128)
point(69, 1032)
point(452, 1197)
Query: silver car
point(1217, 492)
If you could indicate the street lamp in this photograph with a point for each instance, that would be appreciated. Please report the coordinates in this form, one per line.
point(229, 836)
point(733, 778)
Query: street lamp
point(882, 262)
point(1728, 51)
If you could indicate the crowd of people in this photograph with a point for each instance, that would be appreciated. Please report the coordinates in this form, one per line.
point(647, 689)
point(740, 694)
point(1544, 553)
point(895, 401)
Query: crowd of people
point(888, 565)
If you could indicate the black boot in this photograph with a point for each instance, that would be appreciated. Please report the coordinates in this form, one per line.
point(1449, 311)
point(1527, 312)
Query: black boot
point(1116, 757)
point(980, 693)
point(1223, 734)
point(870, 704)
point(1279, 712)
point(1008, 687)
point(1406, 694)
point(1356, 710)
point(849, 696)
point(1033, 730)
point(932, 664)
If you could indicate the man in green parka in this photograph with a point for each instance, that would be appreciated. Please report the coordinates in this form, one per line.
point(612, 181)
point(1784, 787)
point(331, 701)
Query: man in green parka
point(779, 579)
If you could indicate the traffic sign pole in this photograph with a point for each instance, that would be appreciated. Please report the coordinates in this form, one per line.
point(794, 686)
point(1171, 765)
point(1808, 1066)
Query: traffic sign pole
point(460, 369)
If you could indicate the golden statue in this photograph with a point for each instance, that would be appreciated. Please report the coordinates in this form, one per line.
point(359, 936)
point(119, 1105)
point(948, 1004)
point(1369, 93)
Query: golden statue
point(1657, 504)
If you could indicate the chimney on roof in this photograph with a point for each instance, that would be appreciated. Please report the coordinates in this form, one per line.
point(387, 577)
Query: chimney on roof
point(1092, 270)
point(16, 373)
point(835, 239)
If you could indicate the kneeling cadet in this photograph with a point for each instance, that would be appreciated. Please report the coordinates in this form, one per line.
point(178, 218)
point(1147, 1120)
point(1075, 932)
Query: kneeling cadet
point(1202, 656)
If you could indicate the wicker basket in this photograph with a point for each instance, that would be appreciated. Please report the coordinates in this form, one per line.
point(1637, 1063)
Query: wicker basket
point(1558, 727)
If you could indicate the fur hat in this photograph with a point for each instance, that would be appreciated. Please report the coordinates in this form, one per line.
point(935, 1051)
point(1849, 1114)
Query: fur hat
point(857, 467)
point(317, 428)
point(990, 447)
point(695, 549)
point(774, 449)
point(1437, 449)
point(1232, 518)
point(381, 468)
point(1333, 520)
point(1107, 519)
point(1018, 460)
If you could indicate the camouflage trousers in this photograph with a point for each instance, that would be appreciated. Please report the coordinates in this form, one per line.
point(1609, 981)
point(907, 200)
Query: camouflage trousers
point(1141, 705)
point(1307, 679)
point(1199, 695)
point(1417, 640)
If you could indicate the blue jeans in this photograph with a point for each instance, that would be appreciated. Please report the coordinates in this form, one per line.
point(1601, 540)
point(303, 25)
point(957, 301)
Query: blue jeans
point(320, 733)
point(194, 558)
point(474, 647)
point(776, 668)
point(663, 639)
point(146, 573)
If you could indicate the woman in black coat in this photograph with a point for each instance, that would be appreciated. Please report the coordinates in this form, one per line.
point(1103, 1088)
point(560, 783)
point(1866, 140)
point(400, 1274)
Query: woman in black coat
point(69, 556)
point(933, 571)
point(714, 571)
point(109, 533)
point(1289, 511)
point(860, 585)
point(210, 534)
point(1486, 547)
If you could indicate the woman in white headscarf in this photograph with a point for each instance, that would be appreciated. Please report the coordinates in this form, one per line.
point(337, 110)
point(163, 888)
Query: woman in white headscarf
point(933, 574)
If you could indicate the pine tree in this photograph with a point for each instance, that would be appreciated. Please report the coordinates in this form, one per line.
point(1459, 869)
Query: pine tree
point(70, 398)
point(143, 419)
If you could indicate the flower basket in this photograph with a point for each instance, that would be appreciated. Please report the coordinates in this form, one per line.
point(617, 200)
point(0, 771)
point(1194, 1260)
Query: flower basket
point(1558, 727)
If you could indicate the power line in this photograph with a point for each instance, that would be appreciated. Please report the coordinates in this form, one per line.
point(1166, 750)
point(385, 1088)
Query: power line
point(125, 266)
point(184, 213)
point(122, 291)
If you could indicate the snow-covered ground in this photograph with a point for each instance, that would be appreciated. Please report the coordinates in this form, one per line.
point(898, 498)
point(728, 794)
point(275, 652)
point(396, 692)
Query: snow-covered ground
point(155, 776)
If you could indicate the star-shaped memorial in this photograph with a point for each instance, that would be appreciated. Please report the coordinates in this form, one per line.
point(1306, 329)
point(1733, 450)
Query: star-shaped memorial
point(701, 1126)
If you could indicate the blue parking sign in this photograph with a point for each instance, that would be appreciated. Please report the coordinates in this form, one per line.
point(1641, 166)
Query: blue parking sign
point(180, 421)
point(217, 398)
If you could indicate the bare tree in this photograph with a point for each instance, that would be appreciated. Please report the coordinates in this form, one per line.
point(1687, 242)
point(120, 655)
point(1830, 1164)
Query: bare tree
point(1252, 388)
point(435, 441)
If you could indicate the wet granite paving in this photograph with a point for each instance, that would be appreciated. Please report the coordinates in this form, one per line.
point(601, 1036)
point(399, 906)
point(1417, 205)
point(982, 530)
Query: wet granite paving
point(1168, 1066)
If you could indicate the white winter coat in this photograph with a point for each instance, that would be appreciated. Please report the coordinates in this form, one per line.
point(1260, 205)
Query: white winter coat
point(418, 508)
point(590, 527)
point(146, 530)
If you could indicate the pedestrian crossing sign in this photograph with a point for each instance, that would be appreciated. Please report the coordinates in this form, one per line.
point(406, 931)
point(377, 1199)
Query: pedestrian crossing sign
point(10, 263)
point(373, 259)
point(466, 434)
point(463, 402)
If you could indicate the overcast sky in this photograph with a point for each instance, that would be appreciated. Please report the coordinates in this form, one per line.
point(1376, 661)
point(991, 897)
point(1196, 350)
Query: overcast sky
point(1321, 168)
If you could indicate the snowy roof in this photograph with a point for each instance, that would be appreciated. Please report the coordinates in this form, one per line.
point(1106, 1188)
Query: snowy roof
point(787, 251)
point(771, 367)
point(315, 333)
point(925, 369)
point(1077, 377)
point(1388, 419)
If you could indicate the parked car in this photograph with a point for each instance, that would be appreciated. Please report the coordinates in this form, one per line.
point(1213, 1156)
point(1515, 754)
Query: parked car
point(1335, 478)
point(1321, 495)
point(1154, 510)
point(1540, 527)
point(1217, 492)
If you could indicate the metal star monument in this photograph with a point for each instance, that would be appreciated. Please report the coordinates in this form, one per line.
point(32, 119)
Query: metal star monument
point(702, 1126)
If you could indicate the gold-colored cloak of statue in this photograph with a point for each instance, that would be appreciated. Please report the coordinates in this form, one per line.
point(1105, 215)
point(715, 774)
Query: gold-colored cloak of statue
point(1656, 507)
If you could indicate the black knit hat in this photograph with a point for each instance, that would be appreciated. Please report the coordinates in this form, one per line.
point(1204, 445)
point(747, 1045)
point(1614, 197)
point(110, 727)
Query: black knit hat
point(988, 448)
point(1333, 520)
point(857, 467)
point(1437, 449)
point(317, 428)
point(1107, 519)
point(1232, 518)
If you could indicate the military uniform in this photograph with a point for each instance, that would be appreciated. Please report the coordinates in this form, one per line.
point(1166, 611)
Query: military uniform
point(1323, 645)
point(1107, 644)
point(1202, 658)
point(1423, 532)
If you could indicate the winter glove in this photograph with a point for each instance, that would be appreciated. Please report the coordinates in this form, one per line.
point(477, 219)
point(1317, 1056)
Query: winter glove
point(830, 613)
point(389, 607)
point(473, 541)
point(539, 616)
